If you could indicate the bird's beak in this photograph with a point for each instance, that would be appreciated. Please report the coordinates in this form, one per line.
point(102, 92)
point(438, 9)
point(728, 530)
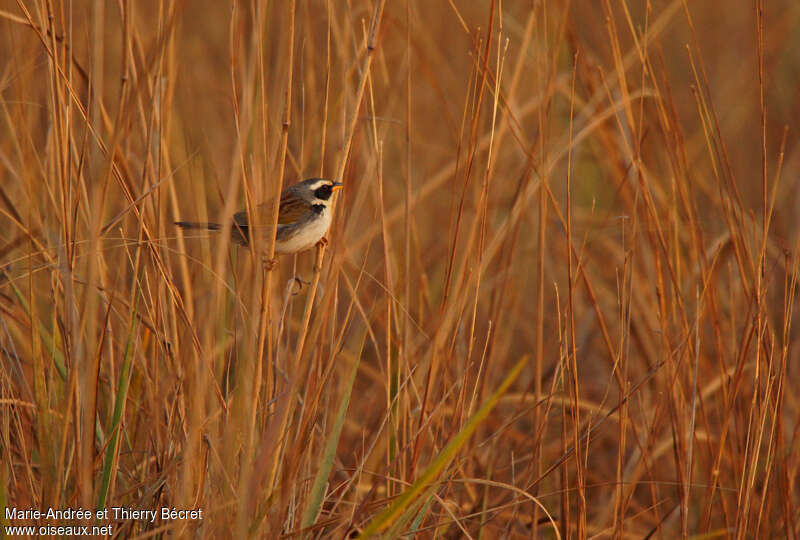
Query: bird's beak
point(337, 186)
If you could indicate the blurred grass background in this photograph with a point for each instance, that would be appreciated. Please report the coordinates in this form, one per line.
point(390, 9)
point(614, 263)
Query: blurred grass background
point(602, 194)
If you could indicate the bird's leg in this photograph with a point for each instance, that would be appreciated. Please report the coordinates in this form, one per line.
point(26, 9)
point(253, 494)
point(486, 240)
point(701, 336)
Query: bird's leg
point(323, 242)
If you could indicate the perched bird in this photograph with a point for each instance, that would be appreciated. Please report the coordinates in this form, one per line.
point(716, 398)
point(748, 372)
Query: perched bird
point(304, 216)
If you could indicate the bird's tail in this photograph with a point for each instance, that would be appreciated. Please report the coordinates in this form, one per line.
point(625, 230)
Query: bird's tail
point(204, 226)
point(238, 232)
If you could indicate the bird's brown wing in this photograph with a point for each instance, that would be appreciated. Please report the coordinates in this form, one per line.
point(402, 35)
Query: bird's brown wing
point(292, 208)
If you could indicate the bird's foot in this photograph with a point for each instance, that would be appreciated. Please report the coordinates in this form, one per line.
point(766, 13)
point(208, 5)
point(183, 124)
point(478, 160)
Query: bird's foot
point(296, 285)
point(318, 258)
point(269, 264)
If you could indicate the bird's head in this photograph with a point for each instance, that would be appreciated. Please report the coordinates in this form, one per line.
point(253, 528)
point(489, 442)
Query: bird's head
point(318, 190)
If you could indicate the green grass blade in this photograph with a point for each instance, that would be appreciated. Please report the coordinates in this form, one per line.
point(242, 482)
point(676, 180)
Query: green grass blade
point(331, 444)
point(430, 475)
point(119, 407)
point(47, 337)
point(416, 510)
point(420, 515)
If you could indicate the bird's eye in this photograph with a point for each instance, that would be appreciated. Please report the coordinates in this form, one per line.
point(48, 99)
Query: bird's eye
point(323, 192)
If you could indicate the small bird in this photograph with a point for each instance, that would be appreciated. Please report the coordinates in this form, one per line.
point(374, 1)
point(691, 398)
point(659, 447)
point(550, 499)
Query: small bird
point(304, 216)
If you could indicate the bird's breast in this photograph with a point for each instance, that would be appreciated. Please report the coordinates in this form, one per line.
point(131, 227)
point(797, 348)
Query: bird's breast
point(303, 234)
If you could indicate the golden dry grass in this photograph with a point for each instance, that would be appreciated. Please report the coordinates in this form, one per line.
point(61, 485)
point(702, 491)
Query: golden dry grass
point(605, 190)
